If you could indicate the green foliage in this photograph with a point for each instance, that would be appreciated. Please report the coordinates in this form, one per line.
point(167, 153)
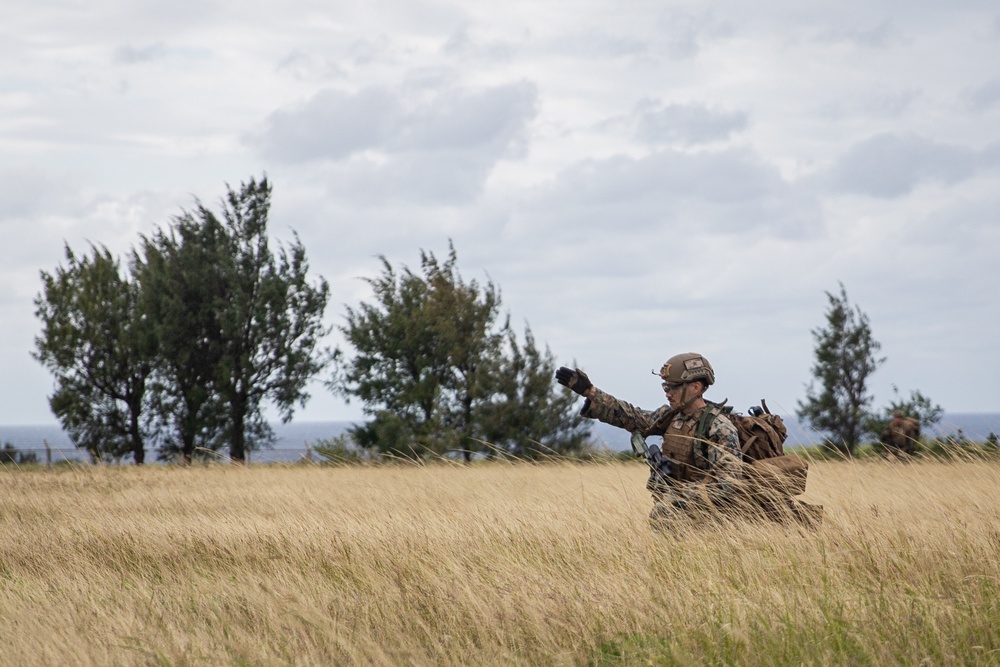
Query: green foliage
point(845, 358)
point(437, 370)
point(9, 454)
point(951, 447)
point(529, 418)
point(398, 370)
point(341, 450)
point(212, 323)
point(957, 446)
point(271, 320)
point(100, 344)
point(238, 324)
point(181, 271)
point(917, 405)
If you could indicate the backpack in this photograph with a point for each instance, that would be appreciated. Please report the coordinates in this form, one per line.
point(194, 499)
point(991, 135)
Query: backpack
point(762, 434)
point(762, 438)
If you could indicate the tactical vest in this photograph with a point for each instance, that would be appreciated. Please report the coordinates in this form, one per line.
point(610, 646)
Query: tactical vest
point(905, 432)
point(688, 454)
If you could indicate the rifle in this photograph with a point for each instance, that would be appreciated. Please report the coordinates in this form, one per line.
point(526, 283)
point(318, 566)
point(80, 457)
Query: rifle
point(658, 464)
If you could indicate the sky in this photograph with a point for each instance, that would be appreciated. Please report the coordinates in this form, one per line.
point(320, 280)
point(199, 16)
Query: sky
point(639, 178)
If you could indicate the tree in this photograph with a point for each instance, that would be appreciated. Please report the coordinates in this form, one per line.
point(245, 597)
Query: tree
point(432, 368)
point(270, 319)
point(212, 323)
point(100, 346)
point(10, 455)
point(530, 417)
point(467, 339)
point(181, 274)
point(416, 348)
point(845, 358)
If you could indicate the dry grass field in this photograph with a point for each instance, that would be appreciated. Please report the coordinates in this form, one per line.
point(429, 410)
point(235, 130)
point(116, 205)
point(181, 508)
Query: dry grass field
point(508, 564)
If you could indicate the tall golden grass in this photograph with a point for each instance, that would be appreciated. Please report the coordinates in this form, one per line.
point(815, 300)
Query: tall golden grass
point(510, 564)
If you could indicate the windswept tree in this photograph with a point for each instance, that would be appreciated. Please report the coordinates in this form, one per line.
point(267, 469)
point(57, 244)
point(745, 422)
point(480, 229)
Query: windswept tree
point(529, 417)
point(270, 318)
point(431, 365)
point(396, 368)
point(181, 271)
point(426, 355)
point(846, 357)
point(213, 323)
point(100, 347)
point(468, 339)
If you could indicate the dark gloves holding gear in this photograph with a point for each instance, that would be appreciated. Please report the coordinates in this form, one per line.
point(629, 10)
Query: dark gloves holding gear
point(658, 483)
point(576, 380)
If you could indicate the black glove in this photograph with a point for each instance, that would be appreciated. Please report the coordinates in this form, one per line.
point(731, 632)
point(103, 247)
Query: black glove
point(658, 484)
point(576, 380)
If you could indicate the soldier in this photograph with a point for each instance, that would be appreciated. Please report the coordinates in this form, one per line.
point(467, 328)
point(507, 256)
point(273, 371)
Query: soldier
point(901, 435)
point(704, 473)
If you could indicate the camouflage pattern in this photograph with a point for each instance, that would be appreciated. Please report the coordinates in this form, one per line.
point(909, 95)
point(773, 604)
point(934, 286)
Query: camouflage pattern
point(687, 367)
point(718, 463)
point(901, 434)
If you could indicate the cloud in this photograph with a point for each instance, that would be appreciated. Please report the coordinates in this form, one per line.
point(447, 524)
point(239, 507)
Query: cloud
point(465, 44)
point(26, 191)
point(730, 191)
point(876, 37)
point(493, 118)
point(616, 35)
point(984, 97)
point(889, 103)
point(687, 33)
point(989, 157)
point(334, 125)
point(970, 225)
point(891, 165)
point(304, 65)
point(879, 36)
point(130, 55)
point(714, 207)
point(440, 177)
point(685, 124)
point(599, 43)
point(331, 125)
point(378, 145)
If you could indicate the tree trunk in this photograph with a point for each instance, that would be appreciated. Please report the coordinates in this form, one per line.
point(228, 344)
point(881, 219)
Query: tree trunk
point(238, 444)
point(138, 446)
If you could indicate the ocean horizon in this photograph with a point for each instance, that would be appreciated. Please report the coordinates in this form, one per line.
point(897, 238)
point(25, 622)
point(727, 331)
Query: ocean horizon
point(294, 440)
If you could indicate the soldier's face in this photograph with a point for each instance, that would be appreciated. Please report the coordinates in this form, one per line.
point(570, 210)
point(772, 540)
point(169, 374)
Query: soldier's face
point(675, 392)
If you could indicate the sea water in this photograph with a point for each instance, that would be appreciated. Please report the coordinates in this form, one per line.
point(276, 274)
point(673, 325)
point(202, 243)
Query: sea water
point(293, 441)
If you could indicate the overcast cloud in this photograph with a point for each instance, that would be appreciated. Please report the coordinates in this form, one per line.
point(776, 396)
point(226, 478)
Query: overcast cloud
point(639, 178)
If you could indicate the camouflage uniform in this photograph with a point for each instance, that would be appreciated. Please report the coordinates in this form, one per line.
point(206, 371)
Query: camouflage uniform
point(901, 435)
point(705, 473)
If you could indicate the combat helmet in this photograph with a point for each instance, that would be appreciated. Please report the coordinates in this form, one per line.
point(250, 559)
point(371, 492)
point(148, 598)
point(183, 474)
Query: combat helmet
point(687, 367)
